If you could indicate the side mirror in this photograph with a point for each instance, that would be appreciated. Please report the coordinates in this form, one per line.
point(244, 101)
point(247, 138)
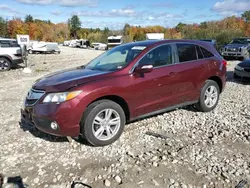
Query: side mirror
point(144, 69)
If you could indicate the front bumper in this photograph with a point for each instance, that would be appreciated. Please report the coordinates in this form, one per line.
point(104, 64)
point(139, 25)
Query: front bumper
point(64, 115)
point(232, 54)
point(242, 73)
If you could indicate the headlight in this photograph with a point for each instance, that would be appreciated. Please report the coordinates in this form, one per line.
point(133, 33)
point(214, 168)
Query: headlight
point(239, 68)
point(61, 97)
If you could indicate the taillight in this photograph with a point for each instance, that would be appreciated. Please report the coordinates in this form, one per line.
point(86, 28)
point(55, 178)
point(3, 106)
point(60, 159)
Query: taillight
point(224, 62)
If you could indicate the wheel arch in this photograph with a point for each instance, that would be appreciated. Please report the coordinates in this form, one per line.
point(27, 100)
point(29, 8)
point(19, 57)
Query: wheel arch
point(117, 99)
point(218, 81)
point(6, 57)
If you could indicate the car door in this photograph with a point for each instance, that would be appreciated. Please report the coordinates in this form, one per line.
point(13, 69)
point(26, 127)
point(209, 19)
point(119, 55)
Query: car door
point(189, 72)
point(155, 90)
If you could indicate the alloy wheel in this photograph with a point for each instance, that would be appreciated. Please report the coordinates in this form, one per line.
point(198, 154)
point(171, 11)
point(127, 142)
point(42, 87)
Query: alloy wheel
point(106, 124)
point(211, 96)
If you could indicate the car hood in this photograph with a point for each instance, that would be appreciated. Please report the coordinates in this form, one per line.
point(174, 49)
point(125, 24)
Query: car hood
point(245, 64)
point(236, 45)
point(64, 80)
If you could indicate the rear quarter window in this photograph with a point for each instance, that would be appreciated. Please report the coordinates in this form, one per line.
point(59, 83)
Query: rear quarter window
point(206, 53)
point(186, 52)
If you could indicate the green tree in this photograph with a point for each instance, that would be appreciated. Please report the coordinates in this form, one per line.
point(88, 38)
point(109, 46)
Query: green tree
point(28, 19)
point(3, 28)
point(180, 26)
point(75, 25)
point(246, 16)
point(126, 29)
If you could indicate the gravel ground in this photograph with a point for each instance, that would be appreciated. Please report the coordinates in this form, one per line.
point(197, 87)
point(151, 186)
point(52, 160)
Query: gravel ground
point(198, 149)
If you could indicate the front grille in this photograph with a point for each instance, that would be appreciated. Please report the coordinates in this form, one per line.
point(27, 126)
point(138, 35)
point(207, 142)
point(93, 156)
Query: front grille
point(233, 49)
point(247, 70)
point(33, 96)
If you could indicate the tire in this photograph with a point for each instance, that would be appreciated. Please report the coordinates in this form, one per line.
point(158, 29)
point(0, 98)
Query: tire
point(30, 51)
point(236, 76)
point(5, 64)
point(96, 112)
point(202, 105)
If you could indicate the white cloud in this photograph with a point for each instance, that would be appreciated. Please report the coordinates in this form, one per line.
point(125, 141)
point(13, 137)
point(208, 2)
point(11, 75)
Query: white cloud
point(231, 7)
point(6, 8)
point(66, 3)
point(112, 13)
point(56, 13)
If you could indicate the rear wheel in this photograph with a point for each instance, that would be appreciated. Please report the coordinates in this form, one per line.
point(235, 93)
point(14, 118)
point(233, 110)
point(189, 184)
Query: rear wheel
point(209, 96)
point(103, 123)
point(5, 64)
point(30, 51)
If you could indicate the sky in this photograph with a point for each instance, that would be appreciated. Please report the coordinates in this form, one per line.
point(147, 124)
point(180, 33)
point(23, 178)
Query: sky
point(115, 13)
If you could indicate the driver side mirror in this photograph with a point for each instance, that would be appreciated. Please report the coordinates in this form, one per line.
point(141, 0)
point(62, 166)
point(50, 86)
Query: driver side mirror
point(144, 69)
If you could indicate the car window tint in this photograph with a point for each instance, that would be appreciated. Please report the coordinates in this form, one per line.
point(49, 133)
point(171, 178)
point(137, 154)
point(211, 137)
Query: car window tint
point(199, 52)
point(186, 52)
point(8, 43)
point(206, 53)
point(160, 56)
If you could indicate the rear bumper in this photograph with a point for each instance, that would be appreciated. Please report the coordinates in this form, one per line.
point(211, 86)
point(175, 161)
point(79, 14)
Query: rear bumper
point(17, 61)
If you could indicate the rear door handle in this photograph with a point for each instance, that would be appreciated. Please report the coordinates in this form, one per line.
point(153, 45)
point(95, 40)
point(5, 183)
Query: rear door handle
point(172, 73)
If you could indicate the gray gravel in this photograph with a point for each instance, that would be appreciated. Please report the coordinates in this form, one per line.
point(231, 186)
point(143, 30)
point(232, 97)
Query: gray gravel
point(201, 149)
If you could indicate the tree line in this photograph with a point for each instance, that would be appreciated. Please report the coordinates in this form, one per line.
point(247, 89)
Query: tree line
point(44, 30)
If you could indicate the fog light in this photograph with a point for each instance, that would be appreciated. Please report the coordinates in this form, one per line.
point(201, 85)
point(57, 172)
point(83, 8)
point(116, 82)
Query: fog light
point(54, 125)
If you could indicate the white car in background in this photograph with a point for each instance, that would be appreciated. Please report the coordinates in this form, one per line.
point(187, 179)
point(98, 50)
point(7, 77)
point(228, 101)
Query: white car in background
point(99, 46)
point(10, 54)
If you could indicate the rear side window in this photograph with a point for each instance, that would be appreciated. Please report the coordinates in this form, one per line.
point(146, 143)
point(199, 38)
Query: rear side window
point(206, 53)
point(8, 43)
point(186, 52)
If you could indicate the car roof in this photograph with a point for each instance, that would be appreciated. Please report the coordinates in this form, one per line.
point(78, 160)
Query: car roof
point(8, 39)
point(149, 43)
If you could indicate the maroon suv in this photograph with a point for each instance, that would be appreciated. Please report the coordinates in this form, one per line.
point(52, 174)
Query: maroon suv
point(129, 82)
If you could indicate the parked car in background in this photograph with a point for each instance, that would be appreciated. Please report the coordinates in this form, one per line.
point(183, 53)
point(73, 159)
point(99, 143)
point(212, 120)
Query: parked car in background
point(128, 82)
point(242, 70)
point(99, 46)
point(239, 48)
point(10, 54)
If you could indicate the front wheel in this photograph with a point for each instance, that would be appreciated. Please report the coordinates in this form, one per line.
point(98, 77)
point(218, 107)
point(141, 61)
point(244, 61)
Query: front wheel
point(209, 96)
point(103, 123)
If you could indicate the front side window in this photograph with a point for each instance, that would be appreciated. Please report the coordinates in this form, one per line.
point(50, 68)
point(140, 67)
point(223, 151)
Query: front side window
point(160, 56)
point(186, 52)
point(116, 58)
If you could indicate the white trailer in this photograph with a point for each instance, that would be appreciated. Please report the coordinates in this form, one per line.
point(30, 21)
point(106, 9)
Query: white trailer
point(43, 47)
point(155, 36)
point(114, 40)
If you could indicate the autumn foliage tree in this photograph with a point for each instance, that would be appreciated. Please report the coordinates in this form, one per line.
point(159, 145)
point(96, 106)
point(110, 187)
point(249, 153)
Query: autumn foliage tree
point(44, 30)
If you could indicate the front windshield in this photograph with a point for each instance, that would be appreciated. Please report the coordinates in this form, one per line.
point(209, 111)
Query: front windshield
point(239, 41)
point(116, 58)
